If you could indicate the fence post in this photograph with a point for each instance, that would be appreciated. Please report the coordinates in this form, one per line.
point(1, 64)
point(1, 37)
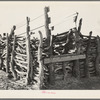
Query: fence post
point(77, 63)
point(7, 65)
point(12, 60)
point(98, 56)
point(29, 65)
point(41, 70)
point(48, 36)
point(51, 65)
point(47, 22)
point(87, 53)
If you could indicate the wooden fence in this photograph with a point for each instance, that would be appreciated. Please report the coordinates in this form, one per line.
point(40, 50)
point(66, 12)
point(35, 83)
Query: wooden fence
point(68, 54)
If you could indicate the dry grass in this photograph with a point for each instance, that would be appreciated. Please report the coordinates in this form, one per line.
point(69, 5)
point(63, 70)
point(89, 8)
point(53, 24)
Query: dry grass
point(72, 83)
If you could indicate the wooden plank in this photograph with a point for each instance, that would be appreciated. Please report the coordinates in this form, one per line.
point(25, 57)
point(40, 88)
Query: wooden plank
point(63, 58)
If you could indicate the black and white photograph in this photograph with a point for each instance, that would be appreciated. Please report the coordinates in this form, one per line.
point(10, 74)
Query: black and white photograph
point(49, 45)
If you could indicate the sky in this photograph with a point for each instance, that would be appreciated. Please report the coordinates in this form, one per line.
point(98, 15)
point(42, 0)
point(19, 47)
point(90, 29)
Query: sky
point(15, 13)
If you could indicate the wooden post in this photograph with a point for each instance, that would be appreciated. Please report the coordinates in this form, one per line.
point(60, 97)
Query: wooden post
point(49, 42)
point(79, 27)
point(7, 65)
point(77, 63)
point(12, 60)
point(28, 52)
point(87, 53)
point(47, 22)
point(65, 73)
point(51, 65)
point(40, 61)
point(98, 57)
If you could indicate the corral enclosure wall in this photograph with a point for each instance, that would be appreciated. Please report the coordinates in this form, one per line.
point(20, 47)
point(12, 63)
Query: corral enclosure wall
point(61, 56)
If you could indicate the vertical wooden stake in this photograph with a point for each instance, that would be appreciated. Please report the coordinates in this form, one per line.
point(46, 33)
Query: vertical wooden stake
point(7, 66)
point(48, 36)
point(77, 64)
point(51, 65)
point(28, 52)
point(98, 56)
point(64, 70)
point(41, 70)
point(47, 22)
point(87, 53)
point(12, 60)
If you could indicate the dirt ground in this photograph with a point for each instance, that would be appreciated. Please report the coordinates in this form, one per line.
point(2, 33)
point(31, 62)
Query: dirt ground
point(70, 84)
point(92, 83)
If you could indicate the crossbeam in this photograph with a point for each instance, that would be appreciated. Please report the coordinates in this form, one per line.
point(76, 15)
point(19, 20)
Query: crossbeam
point(62, 58)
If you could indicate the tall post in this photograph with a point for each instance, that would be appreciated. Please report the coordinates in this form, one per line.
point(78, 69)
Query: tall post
point(47, 22)
point(12, 60)
point(28, 52)
point(7, 66)
point(87, 55)
point(79, 28)
point(77, 63)
point(49, 43)
point(40, 61)
point(98, 56)
point(51, 65)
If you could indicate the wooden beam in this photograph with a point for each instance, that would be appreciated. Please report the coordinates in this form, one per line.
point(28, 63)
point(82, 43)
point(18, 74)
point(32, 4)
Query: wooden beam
point(63, 58)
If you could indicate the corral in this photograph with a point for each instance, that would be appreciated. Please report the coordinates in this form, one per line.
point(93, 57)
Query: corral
point(42, 61)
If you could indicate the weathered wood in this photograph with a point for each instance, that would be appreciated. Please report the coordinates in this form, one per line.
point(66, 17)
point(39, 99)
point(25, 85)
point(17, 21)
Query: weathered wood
point(19, 64)
point(12, 60)
point(51, 65)
point(40, 61)
point(47, 22)
point(29, 65)
point(19, 72)
point(20, 58)
point(21, 46)
point(78, 46)
point(21, 61)
point(7, 64)
point(98, 57)
point(64, 70)
point(63, 58)
point(22, 43)
point(19, 54)
point(87, 56)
